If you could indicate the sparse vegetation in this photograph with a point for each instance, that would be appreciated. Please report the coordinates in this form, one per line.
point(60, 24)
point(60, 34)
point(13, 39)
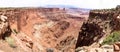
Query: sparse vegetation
point(112, 38)
point(15, 31)
point(10, 41)
point(50, 50)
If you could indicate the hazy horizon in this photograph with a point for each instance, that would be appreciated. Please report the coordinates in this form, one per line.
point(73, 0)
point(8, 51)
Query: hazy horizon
point(90, 4)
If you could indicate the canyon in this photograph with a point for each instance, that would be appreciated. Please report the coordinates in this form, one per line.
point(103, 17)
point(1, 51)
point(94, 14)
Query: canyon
point(58, 29)
point(42, 29)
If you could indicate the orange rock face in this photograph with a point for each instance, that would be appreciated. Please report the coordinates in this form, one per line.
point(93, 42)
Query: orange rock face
point(44, 29)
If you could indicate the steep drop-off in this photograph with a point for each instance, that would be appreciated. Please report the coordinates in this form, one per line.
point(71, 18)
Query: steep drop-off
point(101, 23)
point(41, 30)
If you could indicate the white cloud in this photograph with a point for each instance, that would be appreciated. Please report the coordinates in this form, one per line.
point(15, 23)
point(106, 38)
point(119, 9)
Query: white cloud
point(78, 3)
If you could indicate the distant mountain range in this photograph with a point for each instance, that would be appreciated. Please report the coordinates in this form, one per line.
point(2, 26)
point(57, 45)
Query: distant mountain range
point(64, 6)
point(60, 6)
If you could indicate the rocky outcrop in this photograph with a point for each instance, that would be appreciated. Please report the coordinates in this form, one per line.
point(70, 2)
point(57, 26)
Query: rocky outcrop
point(116, 46)
point(104, 48)
point(99, 25)
point(89, 34)
point(4, 27)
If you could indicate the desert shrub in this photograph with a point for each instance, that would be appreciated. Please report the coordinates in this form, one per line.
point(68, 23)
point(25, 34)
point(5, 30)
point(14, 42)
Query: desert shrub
point(50, 50)
point(10, 41)
point(15, 31)
point(112, 38)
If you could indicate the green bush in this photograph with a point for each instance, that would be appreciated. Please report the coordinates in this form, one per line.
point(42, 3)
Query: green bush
point(112, 38)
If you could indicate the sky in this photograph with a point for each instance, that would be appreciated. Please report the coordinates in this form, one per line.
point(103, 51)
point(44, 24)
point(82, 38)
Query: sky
point(90, 4)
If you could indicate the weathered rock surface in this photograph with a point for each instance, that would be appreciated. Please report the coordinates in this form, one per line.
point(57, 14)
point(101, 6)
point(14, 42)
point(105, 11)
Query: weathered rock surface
point(104, 48)
point(43, 29)
point(4, 27)
point(99, 25)
point(117, 47)
point(56, 30)
point(106, 20)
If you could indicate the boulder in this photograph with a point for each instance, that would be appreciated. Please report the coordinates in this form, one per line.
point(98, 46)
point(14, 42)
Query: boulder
point(116, 46)
point(4, 27)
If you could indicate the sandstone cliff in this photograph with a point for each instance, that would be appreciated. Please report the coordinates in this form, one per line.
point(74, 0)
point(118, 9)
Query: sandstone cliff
point(101, 23)
point(42, 29)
